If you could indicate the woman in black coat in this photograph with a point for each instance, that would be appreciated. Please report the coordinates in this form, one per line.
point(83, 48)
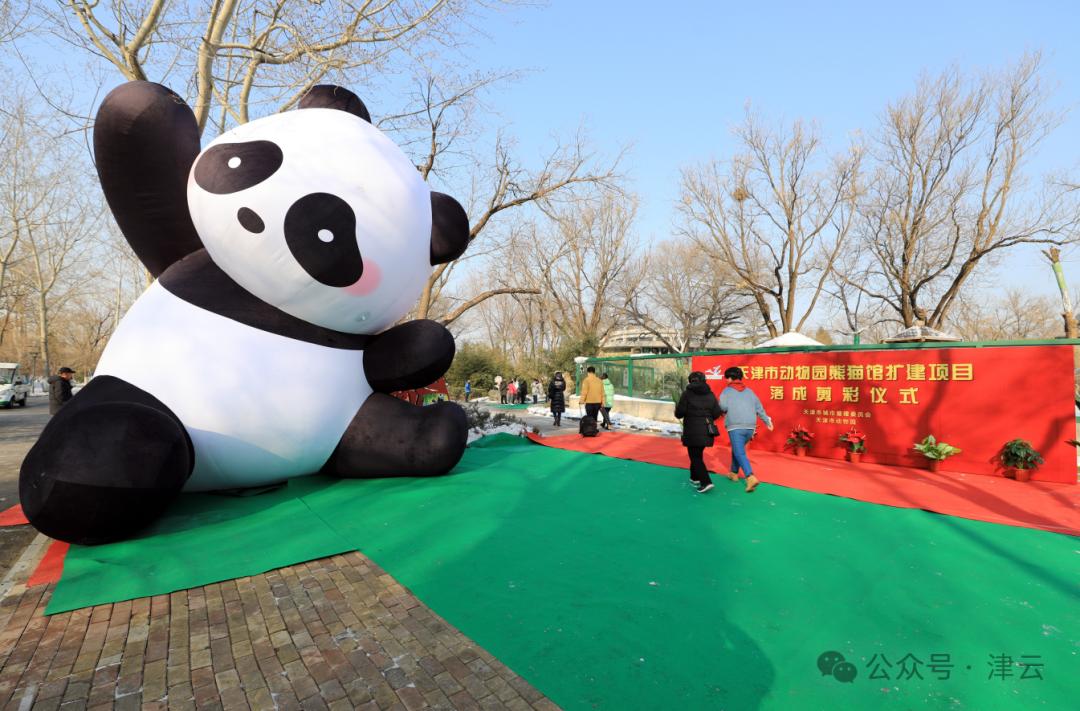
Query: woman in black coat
point(698, 408)
point(556, 391)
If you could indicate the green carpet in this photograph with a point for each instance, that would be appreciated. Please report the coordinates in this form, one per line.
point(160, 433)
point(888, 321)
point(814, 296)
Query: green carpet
point(202, 539)
point(509, 407)
point(610, 584)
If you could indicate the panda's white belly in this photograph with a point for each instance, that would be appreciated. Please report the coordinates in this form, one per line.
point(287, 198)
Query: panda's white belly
point(259, 407)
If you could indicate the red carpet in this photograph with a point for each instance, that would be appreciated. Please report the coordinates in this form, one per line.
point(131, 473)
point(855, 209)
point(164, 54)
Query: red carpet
point(1048, 506)
point(13, 516)
point(51, 565)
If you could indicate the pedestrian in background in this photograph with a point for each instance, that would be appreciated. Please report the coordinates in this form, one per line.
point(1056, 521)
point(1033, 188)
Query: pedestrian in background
point(557, 397)
point(698, 409)
point(59, 389)
point(592, 393)
point(741, 408)
point(609, 399)
point(468, 390)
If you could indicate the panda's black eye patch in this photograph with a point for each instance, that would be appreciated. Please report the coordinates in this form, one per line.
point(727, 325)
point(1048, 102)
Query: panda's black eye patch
point(232, 167)
point(320, 230)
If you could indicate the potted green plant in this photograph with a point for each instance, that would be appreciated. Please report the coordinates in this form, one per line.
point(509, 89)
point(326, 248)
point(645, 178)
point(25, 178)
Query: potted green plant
point(1019, 459)
point(855, 443)
point(800, 440)
point(936, 452)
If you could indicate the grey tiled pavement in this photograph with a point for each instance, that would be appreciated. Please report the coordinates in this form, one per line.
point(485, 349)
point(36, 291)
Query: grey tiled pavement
point(334, 633)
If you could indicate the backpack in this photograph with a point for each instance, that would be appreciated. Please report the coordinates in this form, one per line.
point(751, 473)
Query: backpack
point(587, 427)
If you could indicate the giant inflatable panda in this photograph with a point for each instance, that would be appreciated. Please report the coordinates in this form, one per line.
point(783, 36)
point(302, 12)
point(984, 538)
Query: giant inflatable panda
point(284, 253)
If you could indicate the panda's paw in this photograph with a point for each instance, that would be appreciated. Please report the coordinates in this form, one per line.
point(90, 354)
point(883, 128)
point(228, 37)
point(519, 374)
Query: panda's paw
point(103, 472)
point(390, 437)
point(442, 438)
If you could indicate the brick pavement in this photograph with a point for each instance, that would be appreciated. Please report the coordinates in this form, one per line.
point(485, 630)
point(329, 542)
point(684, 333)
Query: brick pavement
point(335, 633)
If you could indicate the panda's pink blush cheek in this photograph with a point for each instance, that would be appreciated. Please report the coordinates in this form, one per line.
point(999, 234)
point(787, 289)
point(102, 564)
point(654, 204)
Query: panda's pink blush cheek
point(367, 283)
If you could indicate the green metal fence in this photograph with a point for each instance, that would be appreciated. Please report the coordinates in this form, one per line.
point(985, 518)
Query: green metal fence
point(651, 379)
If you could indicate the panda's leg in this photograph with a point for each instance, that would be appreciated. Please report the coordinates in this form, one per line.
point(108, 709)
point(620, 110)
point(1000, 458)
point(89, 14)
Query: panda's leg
point(106, 465)
point(389, 437)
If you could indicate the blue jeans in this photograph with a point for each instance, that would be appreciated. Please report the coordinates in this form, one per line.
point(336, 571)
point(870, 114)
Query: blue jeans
point(739, 438)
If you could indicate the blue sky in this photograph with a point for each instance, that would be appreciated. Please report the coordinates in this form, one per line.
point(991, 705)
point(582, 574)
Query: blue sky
point(672, 79)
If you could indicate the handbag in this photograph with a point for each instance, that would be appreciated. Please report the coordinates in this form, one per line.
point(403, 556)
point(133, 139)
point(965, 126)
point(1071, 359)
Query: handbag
point(711, 428)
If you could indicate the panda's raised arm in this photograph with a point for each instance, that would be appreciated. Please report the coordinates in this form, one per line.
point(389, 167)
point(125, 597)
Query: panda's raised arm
point(145, 141)
point(408, 356)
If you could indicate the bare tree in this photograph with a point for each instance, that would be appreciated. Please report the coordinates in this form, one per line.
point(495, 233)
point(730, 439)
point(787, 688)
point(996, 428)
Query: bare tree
point(239, 57)
point(773, 217)
point(13, 17)
point(504, 185)
point(583, 262)
point(52, 246)
point(15, 139)
point(1012, 315)
point(683, 299)
point(948, 189)
point(49, 221)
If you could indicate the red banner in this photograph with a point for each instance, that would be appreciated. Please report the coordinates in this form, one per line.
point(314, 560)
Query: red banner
point(972, 398)
point(430, 395)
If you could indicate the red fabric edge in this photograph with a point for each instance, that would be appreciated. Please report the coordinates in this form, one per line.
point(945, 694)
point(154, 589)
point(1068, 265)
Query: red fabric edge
point(13, 516)
point(1046, 506)
point(51, 566)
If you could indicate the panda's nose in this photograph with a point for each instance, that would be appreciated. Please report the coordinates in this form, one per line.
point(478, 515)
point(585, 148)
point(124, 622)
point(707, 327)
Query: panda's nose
point(250, 220)
point(320, 230)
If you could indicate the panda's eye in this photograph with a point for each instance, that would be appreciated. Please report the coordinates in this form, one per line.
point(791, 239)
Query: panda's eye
point(232, 167)
point(320, 230)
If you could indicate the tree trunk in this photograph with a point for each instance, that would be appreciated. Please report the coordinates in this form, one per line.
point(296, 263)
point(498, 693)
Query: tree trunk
point(43, 333)
point(1054, 255)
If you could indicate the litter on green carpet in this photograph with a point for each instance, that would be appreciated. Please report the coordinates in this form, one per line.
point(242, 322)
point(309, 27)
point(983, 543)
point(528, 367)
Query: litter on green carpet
point(610, 584)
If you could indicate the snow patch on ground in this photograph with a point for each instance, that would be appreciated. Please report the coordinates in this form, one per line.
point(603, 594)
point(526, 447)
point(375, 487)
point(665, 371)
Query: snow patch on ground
point(519, 430)
point(621, 421)
point(639, 399)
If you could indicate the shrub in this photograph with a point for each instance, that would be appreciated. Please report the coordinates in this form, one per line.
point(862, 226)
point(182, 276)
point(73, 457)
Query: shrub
point(479, 364)
point(932, 449)
point(1019, 454)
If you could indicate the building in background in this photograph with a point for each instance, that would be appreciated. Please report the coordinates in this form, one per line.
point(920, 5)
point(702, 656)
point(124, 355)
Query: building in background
point(637, 341)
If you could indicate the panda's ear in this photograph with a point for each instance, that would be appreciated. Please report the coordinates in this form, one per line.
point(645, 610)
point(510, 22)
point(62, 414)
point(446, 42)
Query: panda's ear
point(449, 229)
point(328, 96)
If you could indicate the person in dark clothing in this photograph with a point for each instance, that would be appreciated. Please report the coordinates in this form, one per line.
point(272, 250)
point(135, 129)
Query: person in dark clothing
point(698, 409)
point(556, 397)
point(523, 390)
point(59, 389)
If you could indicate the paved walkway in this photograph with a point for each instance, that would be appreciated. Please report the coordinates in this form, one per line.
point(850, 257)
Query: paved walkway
point(335, 633)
